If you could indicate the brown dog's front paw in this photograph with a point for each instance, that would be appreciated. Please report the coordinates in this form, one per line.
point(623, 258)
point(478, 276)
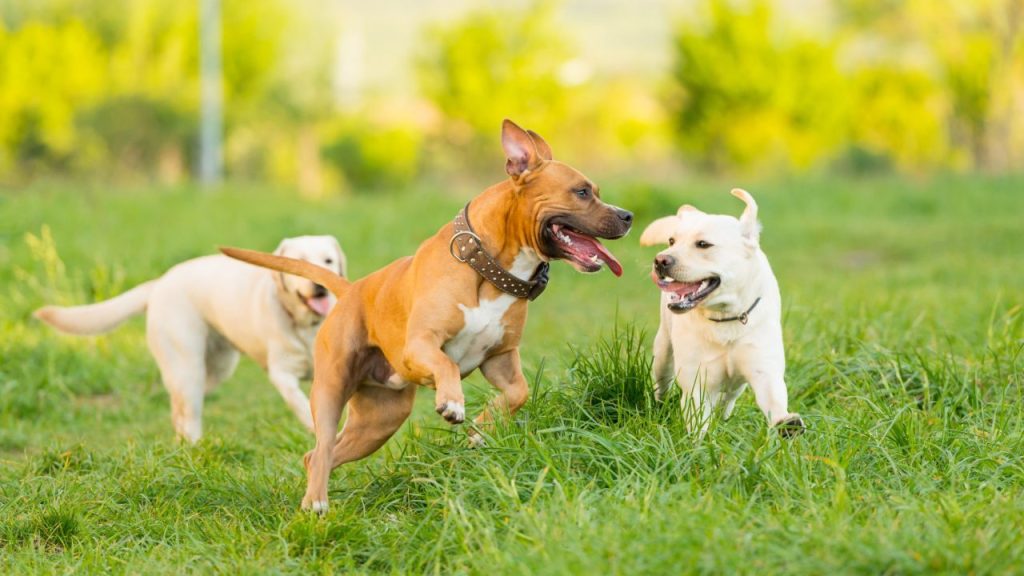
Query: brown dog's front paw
point(791, 427)
point(453, 412)
point(318, 506)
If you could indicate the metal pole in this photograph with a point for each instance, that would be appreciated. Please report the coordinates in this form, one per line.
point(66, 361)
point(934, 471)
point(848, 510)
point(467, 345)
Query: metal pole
point(211, 123)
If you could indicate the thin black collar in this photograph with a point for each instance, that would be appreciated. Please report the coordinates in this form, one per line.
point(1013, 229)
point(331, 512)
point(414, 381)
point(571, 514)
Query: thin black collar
point(466, 247)
point(743, 318)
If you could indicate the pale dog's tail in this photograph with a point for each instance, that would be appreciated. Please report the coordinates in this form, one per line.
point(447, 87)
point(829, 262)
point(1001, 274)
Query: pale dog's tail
point(326, 278)
point(99, 317)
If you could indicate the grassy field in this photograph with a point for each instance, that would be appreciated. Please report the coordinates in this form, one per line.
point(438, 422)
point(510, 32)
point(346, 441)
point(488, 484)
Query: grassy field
point(904, 336)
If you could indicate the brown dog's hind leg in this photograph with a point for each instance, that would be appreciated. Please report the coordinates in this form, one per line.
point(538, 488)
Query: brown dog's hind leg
point(332, 386)
point(505, 373)
point(374, 415)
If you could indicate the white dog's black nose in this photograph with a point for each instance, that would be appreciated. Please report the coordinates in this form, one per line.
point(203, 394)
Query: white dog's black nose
point(663, 262)
point(319, 291)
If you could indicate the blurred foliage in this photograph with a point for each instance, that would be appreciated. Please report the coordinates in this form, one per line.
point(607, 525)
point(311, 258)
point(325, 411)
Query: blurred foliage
point(911, 85)
point(110, 89)
point(521, 64)
point(750, 94)
point(493, 64)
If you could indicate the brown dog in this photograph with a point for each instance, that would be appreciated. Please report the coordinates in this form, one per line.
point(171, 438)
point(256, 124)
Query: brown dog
point(431, 319)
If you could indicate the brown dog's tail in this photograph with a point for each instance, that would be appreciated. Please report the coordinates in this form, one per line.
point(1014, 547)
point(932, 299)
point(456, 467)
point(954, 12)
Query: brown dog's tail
point(326, 278)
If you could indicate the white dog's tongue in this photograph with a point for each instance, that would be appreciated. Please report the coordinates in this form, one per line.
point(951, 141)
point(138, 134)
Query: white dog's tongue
point(320, 305)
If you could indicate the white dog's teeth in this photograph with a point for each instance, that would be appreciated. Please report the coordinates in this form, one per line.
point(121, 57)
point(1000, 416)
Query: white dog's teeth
point(703, 285)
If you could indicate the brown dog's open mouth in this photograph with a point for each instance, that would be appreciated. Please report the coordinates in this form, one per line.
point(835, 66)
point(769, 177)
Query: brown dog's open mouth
point(684, 296)
point(585, 252)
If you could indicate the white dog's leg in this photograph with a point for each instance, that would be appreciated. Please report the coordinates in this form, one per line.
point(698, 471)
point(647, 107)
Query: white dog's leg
point(663, 369)
point(697, 402)
point(185, 382)
point(729, 399)
point(771, 395)
point(288, 385)
point(177, 339)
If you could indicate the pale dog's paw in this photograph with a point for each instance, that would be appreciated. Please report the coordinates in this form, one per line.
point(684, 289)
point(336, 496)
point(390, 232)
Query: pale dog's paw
point(453, 412)
point(476, 440)
point(790, 426)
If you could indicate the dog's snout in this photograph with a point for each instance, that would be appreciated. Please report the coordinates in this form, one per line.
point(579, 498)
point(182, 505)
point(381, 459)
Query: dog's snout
point(319, 291)
point(626, 216)
point(663, 262)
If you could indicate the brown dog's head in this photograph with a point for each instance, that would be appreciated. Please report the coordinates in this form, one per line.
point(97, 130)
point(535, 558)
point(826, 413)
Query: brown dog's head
point(563, 205)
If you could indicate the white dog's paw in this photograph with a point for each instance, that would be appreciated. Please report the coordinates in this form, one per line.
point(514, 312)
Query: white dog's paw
point(476, 440)
point(453, 412)
point(790, 426)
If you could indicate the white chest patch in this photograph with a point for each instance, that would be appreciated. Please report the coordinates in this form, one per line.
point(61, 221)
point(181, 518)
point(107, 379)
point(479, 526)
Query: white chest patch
point(483, 329)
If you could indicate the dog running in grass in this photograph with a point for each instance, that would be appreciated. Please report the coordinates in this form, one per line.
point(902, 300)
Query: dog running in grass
point(458, 304)
point(203, 312)
point(721, 315)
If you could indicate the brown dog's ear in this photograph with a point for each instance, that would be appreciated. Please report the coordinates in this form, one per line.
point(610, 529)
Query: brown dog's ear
point(542, 147)
point(748, 220)
point(520, 150)
point(658, 232)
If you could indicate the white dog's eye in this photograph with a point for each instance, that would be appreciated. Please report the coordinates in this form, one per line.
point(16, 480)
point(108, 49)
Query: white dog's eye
point(671, 241)
point(703, 244)
point(328, 261)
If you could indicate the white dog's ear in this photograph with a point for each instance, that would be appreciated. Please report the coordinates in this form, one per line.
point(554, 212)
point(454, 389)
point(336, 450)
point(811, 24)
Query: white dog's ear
point(687, 208)
point(748, 220)
point(341, 260)
point(279, 251)
point(658, 232)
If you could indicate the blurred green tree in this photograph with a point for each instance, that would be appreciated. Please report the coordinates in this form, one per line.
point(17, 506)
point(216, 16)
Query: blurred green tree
point(47, 72)
point(747, 93)
point(493, 64)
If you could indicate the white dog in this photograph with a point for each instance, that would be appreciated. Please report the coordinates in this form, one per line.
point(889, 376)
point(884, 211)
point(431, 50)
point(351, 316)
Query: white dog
point(721, 314)
point(201, 313)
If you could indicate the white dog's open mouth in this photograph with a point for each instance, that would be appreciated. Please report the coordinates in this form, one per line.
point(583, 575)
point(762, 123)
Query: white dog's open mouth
point(320, 305)
point(684, 296)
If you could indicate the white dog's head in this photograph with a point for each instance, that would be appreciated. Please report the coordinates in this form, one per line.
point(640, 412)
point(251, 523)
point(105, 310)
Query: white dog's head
point(307, 301)
point(709, 256)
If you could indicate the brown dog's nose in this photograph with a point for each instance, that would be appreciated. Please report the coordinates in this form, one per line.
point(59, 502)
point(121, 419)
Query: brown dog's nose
point(626, 216)
point(662, 262)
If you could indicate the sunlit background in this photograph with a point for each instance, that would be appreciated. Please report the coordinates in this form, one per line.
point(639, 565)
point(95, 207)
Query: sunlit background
point(337, 97)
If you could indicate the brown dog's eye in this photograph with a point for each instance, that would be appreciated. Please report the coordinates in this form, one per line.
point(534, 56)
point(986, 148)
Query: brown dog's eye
point(703, 244)
point(583, 193)
point(671, 241)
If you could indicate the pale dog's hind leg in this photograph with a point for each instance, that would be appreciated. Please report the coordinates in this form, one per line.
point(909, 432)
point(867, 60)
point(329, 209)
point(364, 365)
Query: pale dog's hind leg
point(177, 338)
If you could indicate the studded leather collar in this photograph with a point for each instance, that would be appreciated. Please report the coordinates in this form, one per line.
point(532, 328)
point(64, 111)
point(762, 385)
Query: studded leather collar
point(465, 246)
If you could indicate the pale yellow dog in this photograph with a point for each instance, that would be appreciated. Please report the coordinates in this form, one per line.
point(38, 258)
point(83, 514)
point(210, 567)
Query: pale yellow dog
point(721, 313)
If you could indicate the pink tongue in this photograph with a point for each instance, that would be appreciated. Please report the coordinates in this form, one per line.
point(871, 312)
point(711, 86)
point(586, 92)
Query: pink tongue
point(681, 288)
point(321, 305)
point(594, 247)
point(610, 260)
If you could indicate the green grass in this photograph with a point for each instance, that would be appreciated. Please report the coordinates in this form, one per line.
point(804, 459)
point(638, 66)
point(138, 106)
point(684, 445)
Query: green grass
point(904, 337)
